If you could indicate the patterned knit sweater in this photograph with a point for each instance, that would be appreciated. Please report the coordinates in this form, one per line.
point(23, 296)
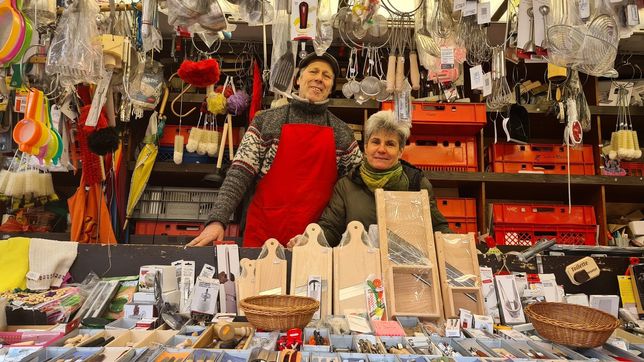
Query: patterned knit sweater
point(258, 147)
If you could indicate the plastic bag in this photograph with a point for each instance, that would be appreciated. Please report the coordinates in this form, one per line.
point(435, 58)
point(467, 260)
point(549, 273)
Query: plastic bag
point(76, 54)
point(147, 85)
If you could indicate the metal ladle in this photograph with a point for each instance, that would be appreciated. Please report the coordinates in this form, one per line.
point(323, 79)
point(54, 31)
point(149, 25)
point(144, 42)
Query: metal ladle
point(528, 47)
point(544, 10)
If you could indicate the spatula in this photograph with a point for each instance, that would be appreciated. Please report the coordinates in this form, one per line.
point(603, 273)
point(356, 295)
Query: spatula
point(283, 70)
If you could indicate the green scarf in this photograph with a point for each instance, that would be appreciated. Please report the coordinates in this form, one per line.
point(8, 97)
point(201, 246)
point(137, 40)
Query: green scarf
point(393, 179)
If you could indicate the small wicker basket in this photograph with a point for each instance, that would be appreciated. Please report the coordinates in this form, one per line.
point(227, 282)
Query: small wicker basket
point(279, 312)
point(570, 324)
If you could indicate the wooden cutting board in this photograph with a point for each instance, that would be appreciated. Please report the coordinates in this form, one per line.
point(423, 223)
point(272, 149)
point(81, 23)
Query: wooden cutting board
point(270, 270)
point(411, 278)
point(353, 262)
point(245, 283)
point(313, 259)
point(460, 275)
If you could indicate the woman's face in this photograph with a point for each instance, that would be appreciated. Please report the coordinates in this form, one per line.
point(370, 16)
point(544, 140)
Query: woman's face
point(383, 150)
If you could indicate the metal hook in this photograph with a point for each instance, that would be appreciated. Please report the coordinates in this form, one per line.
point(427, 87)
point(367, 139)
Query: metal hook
point(183, 91)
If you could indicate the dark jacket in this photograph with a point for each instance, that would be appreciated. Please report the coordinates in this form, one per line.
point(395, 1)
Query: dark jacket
point(352, 200)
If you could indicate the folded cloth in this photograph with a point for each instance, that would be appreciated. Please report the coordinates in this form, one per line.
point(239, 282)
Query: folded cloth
point(14, 263)
point(49, 262)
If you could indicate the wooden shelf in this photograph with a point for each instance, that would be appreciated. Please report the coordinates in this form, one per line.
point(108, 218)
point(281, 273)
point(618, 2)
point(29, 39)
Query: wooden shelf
point(448, 176)
point(533, 178)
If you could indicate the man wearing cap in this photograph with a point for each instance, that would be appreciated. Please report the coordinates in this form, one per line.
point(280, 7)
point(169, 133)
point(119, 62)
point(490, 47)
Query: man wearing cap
point(293, 155)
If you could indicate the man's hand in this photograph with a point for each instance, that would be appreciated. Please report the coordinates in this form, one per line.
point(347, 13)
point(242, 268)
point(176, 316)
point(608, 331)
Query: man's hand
point(211, 233)
point(296, 240)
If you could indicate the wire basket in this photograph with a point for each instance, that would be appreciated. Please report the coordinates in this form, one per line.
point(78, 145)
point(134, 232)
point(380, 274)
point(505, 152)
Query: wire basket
point(570, 324)
point(175, 203)
point(279, 312)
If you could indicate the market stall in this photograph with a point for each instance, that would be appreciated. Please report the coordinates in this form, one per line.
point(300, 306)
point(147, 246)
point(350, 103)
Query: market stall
point(320, 181)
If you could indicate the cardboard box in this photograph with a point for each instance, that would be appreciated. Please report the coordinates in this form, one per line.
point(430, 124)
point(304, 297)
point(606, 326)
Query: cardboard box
point(130, 338)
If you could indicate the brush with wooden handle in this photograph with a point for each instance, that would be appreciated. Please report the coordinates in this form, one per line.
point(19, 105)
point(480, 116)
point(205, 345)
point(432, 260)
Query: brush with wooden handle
point(414, 74)
point(400, 73)
point(391, 73)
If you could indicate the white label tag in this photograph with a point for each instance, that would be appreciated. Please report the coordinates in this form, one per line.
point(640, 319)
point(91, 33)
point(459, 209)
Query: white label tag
point(100, 96)
point(20, 104)
point(55, 116)
point(32, 275)
point(476, 77)
point(584, 9)
point(487, 84)
point(632, 15)
point(483, 13)
point(447, 58)
point(470, 8)
point(459, 5)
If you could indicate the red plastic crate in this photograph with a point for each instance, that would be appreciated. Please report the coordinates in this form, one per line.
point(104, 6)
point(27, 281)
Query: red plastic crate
point(543, 167)
point(178, 228)
point(457, 207)
point(528, 214)
point(527, 235)
point(446, 118)
point(459, 212)
point(167, 138)
point(462, 225)
point(442, 153)
point(633, 168)
point(541, 153)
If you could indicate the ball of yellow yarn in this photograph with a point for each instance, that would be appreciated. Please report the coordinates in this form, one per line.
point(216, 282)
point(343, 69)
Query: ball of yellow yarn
point(216, 103)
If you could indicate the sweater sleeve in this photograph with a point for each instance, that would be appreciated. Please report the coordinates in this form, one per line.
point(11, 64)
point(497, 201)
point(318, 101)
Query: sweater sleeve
point(349, 159)
point(241, 174)
point(439, 223)
point(333, 219)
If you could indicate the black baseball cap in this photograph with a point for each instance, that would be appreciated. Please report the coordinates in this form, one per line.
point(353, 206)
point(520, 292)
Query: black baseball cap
point(324, 57)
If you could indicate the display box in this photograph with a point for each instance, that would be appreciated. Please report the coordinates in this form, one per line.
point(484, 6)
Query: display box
point(93, 334)
point(441, 345)
point(501, 348)
point(324, 333)
point(341, 342)
point(367, 337)
point(235, 356)
point(36, 338)
point(181, 341)
point(349, 357)
point(130, 338)
point(206, 338)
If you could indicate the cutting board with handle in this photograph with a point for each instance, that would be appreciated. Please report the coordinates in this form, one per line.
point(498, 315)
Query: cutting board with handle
point(313, 259)
point(270, 269)
point(353, 262)
point(245, 283)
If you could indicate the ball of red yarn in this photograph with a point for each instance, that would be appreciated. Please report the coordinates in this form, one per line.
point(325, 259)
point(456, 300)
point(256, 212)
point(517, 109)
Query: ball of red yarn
point(200, 74)
point(227, 93)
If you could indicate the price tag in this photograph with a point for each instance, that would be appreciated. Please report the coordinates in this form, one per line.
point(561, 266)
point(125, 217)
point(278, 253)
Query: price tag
point(632, 15)
point(476, 77)
point(55, 116)
point(487, 84)
point(447, 58)
point(471, 8)
point(459, 5)
point(483, 13)
point(584, 9)
point(20, 103)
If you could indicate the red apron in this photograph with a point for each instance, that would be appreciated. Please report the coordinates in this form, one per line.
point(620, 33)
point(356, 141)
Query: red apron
point(296, 188)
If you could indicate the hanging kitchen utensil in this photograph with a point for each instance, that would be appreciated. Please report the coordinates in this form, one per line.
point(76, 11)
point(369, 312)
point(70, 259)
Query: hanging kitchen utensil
point(283, 71)
point(370, 85)
point(517, 125)
point(13, 32)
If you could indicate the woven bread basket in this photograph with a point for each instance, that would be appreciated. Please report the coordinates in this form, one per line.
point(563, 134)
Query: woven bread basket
point(279, 312)
point(570, 324)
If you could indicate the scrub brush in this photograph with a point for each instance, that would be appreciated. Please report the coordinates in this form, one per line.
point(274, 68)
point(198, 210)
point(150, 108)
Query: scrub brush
point(178, 149)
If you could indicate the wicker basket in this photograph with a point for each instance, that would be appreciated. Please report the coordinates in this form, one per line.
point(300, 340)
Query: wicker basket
point(279, 312)
point(570, 324)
